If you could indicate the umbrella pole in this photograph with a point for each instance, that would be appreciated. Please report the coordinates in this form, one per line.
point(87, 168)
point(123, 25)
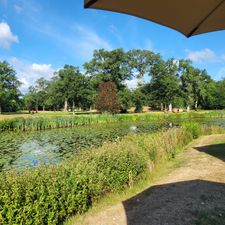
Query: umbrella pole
point(90, 3)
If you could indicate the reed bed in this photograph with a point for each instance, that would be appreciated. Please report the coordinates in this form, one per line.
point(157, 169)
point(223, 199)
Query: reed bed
point(44, 122)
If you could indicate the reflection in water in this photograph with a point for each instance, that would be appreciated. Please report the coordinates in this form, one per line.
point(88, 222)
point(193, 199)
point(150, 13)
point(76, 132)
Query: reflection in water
point(33, 148)
point(35, 153)
point(29, 149)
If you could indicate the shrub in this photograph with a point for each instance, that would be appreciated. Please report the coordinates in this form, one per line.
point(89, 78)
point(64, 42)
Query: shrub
point(193, 128)
point(42, 196)
point(50, 194)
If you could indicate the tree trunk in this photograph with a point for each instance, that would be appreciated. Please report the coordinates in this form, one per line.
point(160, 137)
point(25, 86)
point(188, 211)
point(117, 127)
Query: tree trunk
point(36, 109)
point(0, 108)
point(161, 106)
point(188, 108)
point(65, 105)
point(43, 108)
point(196, 105)
point(73, 107)
point(170, 107)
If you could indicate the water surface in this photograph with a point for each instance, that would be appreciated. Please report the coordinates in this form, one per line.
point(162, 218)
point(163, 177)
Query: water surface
point(28, 149)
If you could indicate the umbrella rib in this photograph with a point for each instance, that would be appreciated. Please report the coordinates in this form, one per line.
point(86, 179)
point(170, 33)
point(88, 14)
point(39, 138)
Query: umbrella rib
point(90, 3)
point(196, 28)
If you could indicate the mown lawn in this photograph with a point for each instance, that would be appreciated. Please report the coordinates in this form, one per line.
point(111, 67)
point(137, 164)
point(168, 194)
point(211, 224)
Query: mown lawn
point(25, 114)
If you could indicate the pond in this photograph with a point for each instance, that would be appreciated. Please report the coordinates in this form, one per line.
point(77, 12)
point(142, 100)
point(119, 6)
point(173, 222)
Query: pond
point(27, 149)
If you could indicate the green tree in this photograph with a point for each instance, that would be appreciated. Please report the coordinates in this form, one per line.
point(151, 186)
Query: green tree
point(9, 88)
point(164, 84)
point(219, 95)
point(139, 99)
point(125, 99)
point(55, 98)
point(197, 86)
point(109, 66)
point(41, 89)
point(141, 62)
point(74, 87)
point(31, 99)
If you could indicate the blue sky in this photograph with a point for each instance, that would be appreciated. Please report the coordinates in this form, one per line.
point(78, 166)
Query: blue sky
point(38, 37)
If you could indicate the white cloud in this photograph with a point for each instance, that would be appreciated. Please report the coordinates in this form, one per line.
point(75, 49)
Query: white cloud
point(205, 56)
point(6, 36)
point(41, 69)
point(132, 83)
point(88, 40)
point(28, 72)
point(202, 56)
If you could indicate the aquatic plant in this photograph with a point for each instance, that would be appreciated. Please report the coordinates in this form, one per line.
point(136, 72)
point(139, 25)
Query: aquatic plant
point(49, 194)
point(43, 123)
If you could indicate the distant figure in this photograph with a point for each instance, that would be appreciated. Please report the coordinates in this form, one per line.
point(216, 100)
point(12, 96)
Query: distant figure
point(32, 111)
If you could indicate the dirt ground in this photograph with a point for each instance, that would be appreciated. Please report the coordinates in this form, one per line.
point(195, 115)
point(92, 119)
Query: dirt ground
point(198, 185)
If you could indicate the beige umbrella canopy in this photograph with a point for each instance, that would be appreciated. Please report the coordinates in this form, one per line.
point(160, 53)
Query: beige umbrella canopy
point(190, 17)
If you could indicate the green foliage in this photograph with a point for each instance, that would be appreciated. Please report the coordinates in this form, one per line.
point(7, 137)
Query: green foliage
point(175, 82)
point(44, 196)
point(164, 84)
point(109, 66)
point(21, 150)
point(138, 99)
point(43, 123)
point(9, 92)
point(193, 128)
point(125, 99)
point(48, 195)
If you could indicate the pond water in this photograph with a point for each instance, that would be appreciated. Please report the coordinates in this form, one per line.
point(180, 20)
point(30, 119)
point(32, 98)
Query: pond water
point(27, 149)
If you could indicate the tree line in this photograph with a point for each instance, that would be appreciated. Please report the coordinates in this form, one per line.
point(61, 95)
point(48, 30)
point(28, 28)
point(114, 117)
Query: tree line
point(103, 85)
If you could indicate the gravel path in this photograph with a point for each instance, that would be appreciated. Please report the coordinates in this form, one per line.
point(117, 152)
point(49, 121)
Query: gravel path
point(199, 184)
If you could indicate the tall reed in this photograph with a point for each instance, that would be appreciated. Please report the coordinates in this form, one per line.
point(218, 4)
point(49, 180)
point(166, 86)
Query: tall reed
point(42, 123)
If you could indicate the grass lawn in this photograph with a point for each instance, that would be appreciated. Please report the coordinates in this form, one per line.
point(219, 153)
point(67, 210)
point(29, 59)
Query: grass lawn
point(25, 114)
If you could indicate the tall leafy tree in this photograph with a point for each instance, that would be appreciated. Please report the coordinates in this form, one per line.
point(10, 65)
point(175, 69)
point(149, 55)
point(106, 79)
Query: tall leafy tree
point(41, 88)
point(141, 62)
point(74, 86)
point(9, 88)
point(165, 85)
point(197, 86)
point(31, 99)
point(125, 99)
point(219, 95)
point(109, 66)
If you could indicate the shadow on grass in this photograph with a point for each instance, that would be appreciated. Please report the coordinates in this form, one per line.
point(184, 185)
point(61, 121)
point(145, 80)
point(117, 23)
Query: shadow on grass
point(184, 203)
point(216, 150)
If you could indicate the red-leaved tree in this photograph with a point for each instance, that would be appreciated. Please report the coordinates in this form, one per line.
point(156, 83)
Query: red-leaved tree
point(107, 99)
